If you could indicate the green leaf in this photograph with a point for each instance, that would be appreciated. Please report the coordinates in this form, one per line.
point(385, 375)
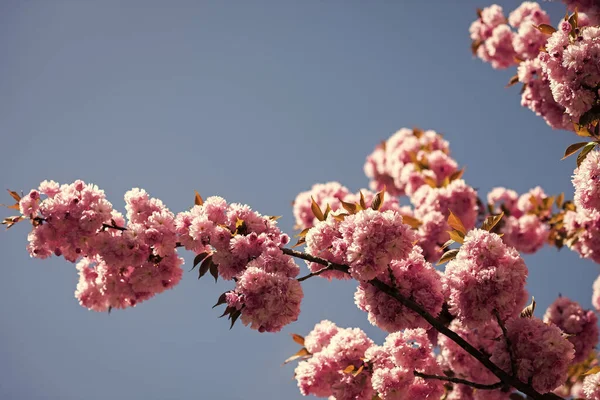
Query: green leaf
point(222, 300)
point(198, 259)
point(572, 149)
point(528, 311)
point(448, 256)
point(214, 270)
point(234, 316)
point(586, 149)
point(492, 221)
point(205, 266)
point(378, 200)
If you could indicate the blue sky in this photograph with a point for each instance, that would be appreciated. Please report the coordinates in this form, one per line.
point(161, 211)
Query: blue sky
point(253, 101)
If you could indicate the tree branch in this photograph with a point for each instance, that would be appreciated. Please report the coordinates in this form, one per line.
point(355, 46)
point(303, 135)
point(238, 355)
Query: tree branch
point(438, 325)
point(513, 365)
point(475, 385)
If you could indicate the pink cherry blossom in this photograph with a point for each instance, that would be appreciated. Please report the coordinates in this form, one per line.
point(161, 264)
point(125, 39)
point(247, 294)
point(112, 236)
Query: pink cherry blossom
point(485, 268)
point(541, 354)
point(414, 278)
point(270, 300)
point(373, 239)
point(586, 180)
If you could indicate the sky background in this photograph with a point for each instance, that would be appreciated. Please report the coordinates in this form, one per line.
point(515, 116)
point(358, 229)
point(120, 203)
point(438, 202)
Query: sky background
point(254, 101)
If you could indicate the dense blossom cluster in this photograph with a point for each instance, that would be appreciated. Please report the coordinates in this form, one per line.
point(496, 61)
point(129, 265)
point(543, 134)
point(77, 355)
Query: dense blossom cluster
point(581, 325)
point(246, 248)
point(541, 354)
point(333, 350)
point(122, 263)
point(394, 363)
point(414, 278)
point(585, 227)
point(454, 358)
point(586, 180)
point(571, 64)
point(366, 241)
point(523, 226)
point(332, 194)
point(558, 70)
point(591, 386)
point(591, 8)
point(485, 278)
point(404, 161)
point(462, 392)
point(457, 197)
point(495, 42)
point(537, 95)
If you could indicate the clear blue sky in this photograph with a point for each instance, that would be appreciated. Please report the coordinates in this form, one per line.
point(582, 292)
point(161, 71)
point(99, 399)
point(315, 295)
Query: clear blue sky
point(254, 101)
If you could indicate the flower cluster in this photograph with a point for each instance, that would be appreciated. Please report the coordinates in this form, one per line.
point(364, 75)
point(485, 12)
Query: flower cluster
point(121, 263)
point(541, 354)
point(456, 359)
point(485, 278)
point(366, 241)
point(333, 352)
point(558, 72)
point(571, 65)
point(537, 95)
point(414, 278)
point(596, 294)
point(586, 180)
point(457, 197)
point(246, 247)
point(495, 42)
point(523, 226)
point(406, 160)
point(584, 226)
point(332, 194)
point(591, 386)
point(69, 216)
point(394, 364)
point(132, 264)
point(462, 392)
point(589, 8)
point(579, 324)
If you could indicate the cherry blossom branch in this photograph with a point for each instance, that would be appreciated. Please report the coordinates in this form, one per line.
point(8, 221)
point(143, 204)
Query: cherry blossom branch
point(513, 365)
point(329, 266)
point(114, 226)
point(475, 385)
point(439, 326)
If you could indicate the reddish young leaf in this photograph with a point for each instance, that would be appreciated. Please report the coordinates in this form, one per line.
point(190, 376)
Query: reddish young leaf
point(572, 149)
point(456, 223)
point(316, 210)
point(298, 339)
point(198, 199)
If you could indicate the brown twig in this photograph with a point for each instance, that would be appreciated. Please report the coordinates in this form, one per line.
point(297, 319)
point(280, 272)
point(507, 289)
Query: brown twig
point(475, 385)
point(504, 377)
point(513, 365)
